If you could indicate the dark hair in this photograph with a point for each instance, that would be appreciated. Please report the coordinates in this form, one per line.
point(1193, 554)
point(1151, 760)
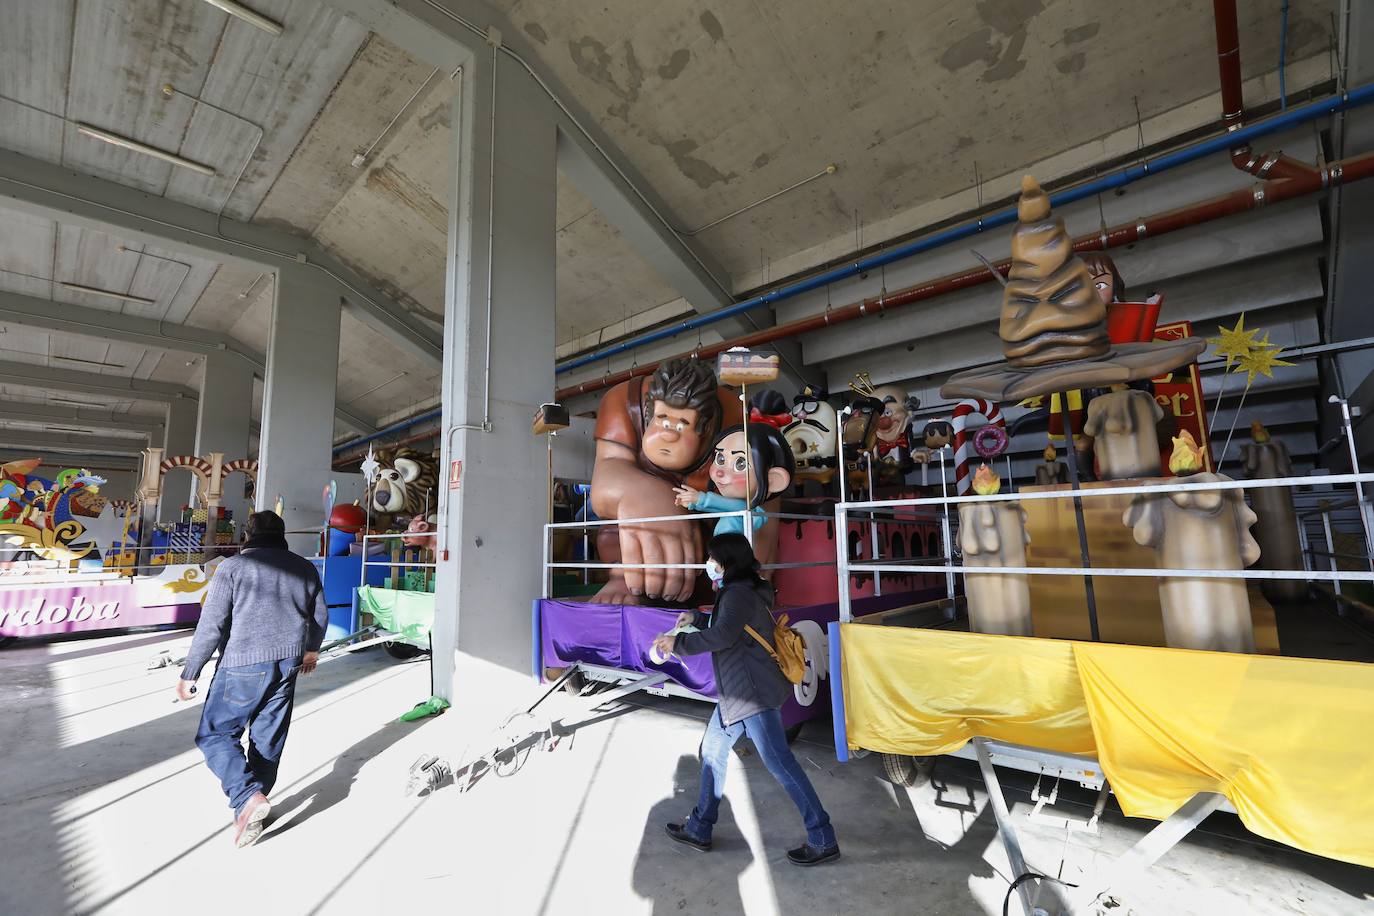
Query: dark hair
point(735, 555)
point(684, 384)
point(769, 402)
point(265, 522)
point(767, 450)
point(1101, 263)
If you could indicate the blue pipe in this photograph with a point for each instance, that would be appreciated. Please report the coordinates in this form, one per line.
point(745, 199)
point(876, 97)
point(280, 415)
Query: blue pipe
point(390, 430)
point(1290, 118)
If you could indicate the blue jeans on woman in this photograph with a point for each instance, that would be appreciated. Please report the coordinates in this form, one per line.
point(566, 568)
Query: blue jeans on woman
point(765, 730)
point(253, 698)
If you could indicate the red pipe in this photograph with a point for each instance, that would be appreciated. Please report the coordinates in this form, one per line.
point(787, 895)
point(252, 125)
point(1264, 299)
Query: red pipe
point(1272, 164)
point(1238, 201)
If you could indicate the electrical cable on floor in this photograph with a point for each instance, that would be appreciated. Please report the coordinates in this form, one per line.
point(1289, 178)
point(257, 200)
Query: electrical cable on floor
point(1021, 879)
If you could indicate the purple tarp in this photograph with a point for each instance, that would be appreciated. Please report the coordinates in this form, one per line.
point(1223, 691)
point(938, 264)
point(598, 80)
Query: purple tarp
point(619, 636)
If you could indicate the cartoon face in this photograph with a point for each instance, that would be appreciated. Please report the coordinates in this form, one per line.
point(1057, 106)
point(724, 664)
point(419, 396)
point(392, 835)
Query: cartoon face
point(859, 428)
point(671, 440)
point(1105, 284)
point(389, 492)
point(728, 468)
point(817, 661)
point(893, 420)
point(811, 434)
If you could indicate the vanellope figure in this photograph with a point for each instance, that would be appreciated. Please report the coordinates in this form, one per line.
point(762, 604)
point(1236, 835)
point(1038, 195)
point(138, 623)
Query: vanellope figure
point(770, 458)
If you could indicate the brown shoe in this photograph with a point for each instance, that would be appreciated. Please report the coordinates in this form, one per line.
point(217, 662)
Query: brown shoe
point(251, 819)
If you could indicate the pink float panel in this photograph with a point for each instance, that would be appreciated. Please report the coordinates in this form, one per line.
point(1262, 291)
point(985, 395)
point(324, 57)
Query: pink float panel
point(813, 541)
point(52, 609)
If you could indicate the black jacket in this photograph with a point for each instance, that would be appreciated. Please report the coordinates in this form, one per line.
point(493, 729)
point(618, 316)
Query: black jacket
point(748, 681)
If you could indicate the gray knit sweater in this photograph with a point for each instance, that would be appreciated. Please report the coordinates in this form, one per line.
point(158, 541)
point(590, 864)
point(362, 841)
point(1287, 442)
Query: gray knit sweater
point(264, 605)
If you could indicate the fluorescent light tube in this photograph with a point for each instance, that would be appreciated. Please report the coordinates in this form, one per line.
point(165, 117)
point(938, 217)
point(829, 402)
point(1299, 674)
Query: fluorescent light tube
point(247, 15)
point(77, 287)
point(94, 405)
point(89, 362)
point(117, 140)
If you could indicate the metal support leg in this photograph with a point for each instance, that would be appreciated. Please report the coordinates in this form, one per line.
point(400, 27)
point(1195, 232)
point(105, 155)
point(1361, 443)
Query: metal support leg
point(1005, 828)
point(1072, 458)
point(1331, 554)
point(1365, 523)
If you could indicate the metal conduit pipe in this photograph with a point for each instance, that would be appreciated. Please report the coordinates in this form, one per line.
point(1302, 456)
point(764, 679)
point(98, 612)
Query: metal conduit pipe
point(391, 430)
point(432, 433)
point(1222, 143)
point(1238, 201)
point(1272, 164)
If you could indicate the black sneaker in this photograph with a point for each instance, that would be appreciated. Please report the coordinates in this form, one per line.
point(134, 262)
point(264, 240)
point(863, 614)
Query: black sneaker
point(679, 833)
point(813, 855)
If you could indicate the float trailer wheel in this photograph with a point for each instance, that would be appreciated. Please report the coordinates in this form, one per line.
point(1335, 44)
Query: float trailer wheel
point(402, 651)
point(907, 771)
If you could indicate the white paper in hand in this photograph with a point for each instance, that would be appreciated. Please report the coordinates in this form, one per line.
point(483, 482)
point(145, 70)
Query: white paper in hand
point(659, 659)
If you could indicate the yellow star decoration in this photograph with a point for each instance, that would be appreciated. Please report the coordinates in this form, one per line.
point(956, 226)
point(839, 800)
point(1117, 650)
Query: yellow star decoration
point(1234, 343)
point(1261, 360)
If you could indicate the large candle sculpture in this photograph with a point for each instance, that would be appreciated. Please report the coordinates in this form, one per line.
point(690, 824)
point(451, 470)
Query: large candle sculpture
point(1199, 529)
point(994, 534)
point(1122, 426)
point(1052, 471)
point(1277, 532)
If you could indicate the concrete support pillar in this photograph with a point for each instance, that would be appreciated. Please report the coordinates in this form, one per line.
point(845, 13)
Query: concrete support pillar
point(492, 519)
point(298, 402)
point(179, 439)
point(224, 421)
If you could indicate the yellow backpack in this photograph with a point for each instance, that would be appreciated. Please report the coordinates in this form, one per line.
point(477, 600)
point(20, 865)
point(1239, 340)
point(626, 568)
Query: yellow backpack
point(791, 649)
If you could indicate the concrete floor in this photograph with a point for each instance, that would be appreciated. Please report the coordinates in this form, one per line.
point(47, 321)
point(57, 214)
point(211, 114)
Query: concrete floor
point(106, 807)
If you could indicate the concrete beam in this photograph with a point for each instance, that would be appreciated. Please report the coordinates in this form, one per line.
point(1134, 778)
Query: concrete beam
point(69, 444)
point(586, 154)
point(77, 416)
point(98, 324)
point(91, 383)
point(34, 186)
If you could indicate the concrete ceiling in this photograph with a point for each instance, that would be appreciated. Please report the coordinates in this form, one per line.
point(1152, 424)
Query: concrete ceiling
point(715, 106)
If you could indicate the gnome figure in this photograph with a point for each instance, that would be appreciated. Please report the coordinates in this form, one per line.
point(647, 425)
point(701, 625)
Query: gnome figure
point(1199, 529)
point(1122, 425)
point(1277, 532)
point(994, 534)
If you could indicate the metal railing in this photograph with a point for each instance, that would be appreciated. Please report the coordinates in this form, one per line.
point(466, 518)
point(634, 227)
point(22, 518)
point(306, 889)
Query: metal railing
point(847, 567)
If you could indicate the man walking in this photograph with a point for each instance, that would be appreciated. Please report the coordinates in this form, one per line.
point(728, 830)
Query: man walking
point(266, 614)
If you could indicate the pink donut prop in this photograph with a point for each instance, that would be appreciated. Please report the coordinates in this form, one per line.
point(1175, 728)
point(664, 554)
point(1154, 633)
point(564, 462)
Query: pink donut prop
point(990, 441)
point(963, 447)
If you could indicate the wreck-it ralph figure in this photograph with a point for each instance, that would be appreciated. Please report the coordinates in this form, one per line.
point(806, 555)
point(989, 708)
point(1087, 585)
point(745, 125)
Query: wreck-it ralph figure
point(740, 483)
point(653, 434)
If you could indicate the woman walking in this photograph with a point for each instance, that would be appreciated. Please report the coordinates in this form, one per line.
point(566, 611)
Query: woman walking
point(751, 689)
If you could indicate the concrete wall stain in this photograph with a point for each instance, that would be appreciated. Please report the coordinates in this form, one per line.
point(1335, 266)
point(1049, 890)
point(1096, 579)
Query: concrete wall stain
point(1071, 63)
point(762, 159)
point(1082, 33)
point(594, 62)
point(974, 47)
point(963, 142)
point(712, 26)
point(391, 182)
point(536, 31)
point(698, 170)
point(675, 65)
point(1009, 16)
point(441, 115)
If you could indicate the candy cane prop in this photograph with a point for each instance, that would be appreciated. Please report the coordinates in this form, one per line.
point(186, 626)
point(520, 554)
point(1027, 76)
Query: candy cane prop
point(963, 445)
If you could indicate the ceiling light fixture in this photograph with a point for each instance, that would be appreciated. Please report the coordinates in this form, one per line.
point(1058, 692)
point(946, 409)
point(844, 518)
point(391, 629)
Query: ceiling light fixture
point(247, 15)
point(77, 287)
point(91, 404)
point(116, 140)
point(70, 429)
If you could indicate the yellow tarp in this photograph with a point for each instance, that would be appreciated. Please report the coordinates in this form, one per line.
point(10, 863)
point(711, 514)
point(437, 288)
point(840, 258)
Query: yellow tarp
point(921, 692)
point(1287, 740)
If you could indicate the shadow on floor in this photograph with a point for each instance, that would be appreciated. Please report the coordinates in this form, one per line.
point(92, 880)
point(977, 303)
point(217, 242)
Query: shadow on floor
point(678, 879)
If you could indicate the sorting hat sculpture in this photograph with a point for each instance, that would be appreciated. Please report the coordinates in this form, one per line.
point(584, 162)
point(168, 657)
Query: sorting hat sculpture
point(1054, 324)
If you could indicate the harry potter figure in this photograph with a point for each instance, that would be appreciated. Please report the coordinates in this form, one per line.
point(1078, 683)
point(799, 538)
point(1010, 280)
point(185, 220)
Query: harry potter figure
point(653, 434)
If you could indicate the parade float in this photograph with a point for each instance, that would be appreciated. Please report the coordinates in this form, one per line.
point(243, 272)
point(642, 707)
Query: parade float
point(1120, 631)
point(75, 561)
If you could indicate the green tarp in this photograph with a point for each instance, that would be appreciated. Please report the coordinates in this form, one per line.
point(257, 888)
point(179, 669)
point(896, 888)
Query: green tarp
point(407, 614)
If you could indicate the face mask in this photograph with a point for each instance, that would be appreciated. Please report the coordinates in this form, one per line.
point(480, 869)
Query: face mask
point(715, 571)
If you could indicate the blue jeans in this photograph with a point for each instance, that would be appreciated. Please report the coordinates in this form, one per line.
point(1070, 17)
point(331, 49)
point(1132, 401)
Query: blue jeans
point(765, 730)
point(256, 699)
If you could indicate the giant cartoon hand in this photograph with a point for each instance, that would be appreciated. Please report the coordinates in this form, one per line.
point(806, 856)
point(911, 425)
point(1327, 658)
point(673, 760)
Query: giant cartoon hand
point(658, 542)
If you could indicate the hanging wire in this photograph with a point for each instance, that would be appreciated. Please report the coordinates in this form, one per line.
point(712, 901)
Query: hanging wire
point(1283, 55)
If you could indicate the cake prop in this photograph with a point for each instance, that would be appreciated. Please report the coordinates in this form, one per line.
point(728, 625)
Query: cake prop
point(741, 366)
